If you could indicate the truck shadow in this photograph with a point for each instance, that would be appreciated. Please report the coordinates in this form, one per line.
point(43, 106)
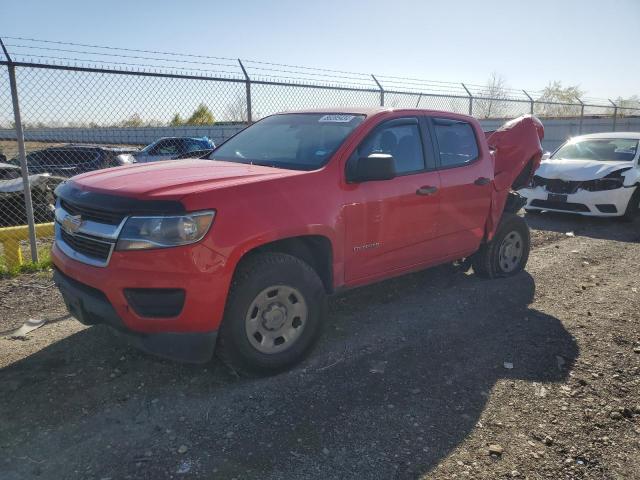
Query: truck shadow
point(592, 227)
point(400, 378)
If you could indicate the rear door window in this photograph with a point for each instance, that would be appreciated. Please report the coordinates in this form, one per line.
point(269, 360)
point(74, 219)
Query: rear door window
point(60, 158)
point(194, 145)
point(34, 158)
point(75, 157)
point(457, 143)
point(166, 147)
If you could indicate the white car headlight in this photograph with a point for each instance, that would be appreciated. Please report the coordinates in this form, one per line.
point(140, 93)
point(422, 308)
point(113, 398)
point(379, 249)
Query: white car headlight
point(125, 159)
point(141, 233)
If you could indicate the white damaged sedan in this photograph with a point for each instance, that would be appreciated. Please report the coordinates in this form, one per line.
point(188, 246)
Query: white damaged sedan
point(596, 174)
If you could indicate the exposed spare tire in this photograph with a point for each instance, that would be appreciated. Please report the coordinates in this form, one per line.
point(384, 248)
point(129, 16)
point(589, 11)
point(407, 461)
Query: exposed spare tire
point(507, 253)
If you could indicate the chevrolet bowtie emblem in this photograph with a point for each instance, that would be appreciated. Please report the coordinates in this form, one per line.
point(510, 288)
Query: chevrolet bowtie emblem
point(72, 223)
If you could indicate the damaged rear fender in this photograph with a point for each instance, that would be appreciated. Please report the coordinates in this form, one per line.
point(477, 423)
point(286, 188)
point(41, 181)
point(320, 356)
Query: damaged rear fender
point(516, 152)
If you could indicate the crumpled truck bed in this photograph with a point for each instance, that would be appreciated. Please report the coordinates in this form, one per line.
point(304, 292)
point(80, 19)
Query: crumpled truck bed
point(516, 152)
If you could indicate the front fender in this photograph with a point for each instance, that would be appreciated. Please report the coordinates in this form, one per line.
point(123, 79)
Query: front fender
point(631, 177)
point(265, 238)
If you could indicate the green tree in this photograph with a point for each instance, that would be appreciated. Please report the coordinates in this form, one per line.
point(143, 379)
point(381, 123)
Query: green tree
point(559, 101)
point(176, 121)
point(201, 116)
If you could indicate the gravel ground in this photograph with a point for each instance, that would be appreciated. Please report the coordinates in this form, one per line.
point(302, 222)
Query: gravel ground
point(422, 376)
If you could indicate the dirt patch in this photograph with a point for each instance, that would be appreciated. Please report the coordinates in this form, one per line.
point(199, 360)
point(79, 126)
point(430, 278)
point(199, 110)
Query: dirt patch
point(420, 376)
point(26, 296)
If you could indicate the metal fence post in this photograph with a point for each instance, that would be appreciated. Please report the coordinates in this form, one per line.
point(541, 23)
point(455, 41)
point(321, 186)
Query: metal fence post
point(581, 115)
point(530, 101)
point(470, 99)
point(615, 114)
point(22, 155)
point(248, 87)
point(381, 90)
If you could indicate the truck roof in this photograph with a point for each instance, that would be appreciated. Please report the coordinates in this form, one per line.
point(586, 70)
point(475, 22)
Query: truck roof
point(372, 111)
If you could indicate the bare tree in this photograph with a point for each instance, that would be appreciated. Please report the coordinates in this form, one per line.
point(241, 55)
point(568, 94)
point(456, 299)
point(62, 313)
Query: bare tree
point(559, 101)
point(628, 106)
point(494, 95)
point(236, 111)
point(134, 120)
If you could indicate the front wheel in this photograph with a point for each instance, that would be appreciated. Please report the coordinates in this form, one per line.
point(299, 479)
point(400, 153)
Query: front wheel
point(274, 314)
point(507, 253)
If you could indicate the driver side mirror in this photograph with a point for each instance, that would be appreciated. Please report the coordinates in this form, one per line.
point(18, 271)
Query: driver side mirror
point(377, 166)
point(546, 155)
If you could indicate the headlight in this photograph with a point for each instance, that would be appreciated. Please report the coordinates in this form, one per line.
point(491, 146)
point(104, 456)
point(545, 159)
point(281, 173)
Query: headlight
point(603, 184)
point(140, 233)
point(611, 182)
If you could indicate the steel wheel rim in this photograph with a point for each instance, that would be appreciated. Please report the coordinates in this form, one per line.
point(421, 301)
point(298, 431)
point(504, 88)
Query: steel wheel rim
point(276, 318)
point(511, 251)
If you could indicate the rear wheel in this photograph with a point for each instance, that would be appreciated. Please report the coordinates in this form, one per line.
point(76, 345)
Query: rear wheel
point(507, 253)
point(274, 314)
point(633, 207)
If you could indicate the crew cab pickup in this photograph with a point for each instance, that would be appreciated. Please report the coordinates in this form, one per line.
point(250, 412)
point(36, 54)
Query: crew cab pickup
point(238, 251)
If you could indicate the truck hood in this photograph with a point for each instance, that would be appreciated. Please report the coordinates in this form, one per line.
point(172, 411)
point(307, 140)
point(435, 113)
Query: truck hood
point(176, 178)
point(578, 170)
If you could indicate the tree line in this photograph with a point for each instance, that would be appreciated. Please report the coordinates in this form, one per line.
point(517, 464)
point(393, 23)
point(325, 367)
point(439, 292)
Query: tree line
point(200, 116)
point(555, 100)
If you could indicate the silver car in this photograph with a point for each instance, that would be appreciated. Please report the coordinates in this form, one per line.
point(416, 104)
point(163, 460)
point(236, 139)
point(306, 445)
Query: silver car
point(171, 147)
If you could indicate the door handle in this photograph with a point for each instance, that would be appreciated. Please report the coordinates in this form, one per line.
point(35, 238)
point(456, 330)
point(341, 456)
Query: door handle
point(482, 181)
point(426, 190)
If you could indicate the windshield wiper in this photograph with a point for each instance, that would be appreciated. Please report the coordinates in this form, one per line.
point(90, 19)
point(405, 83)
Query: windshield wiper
point(270, 164)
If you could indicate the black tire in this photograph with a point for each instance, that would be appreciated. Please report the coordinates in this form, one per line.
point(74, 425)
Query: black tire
point(255, 276)
point(487, 261)
point(633, 207)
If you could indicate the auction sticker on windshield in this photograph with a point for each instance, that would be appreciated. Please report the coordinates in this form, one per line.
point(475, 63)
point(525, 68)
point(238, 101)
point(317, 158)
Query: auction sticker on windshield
point(336, 118)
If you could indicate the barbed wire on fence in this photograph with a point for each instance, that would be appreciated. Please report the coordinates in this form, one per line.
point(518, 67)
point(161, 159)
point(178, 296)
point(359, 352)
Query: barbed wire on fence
point(27, 49)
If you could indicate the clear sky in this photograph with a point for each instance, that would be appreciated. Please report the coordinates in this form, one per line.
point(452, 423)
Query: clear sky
point(591, 43)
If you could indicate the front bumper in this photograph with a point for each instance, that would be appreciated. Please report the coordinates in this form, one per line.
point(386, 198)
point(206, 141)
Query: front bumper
point(606, 203)
point(202, 274)
point(90, 306)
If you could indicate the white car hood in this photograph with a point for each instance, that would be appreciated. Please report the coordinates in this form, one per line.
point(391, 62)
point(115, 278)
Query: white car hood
point(578, 170)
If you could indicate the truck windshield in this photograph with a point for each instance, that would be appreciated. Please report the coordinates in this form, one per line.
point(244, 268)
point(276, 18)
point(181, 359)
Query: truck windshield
point(297, 141)
point(604, 149)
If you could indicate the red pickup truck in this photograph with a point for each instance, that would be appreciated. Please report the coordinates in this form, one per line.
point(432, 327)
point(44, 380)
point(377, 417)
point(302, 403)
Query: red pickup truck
point(237, 252)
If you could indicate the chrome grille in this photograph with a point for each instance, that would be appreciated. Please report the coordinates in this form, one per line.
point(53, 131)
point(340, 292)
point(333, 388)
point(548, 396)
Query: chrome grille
point(556, 185)
point(100, 216)
point(91, 247)
point(88, 241)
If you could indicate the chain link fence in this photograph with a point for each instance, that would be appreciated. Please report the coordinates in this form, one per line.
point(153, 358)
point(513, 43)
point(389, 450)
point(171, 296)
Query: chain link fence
point(68, 108)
